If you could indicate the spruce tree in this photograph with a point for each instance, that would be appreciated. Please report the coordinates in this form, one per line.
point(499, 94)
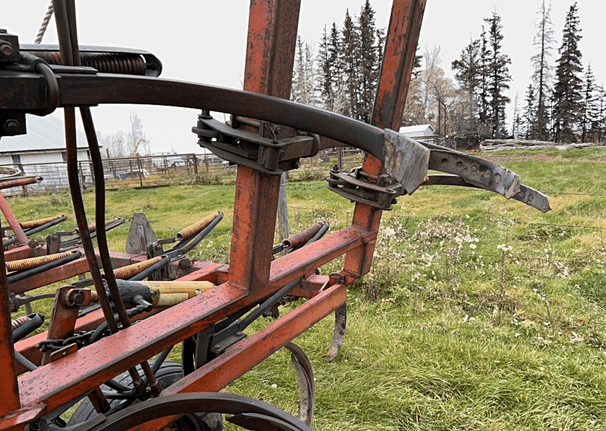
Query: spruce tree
point(303, 85)
point(467, 74)
point(529, 115)
point(325, 78)
point(350, 66)
point(542, 74)
point(368, 73)
point(590, 105)
point(567, 97)
point(599, 125)
point(334, 55)
point(517, 121)
point(483, 95)
point(498, 76)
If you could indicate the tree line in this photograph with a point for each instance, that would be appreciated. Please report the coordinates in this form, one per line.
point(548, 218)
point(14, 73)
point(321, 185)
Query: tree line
point(563, 102)
point(343, 76)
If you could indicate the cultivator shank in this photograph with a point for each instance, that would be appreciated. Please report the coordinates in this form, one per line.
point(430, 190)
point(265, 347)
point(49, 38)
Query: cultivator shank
point(205, 306)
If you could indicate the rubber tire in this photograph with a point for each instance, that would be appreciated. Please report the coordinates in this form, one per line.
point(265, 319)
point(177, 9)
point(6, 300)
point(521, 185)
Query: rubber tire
point(169, 373)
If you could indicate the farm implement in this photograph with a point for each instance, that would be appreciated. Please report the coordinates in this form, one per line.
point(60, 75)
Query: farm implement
point(92, 351)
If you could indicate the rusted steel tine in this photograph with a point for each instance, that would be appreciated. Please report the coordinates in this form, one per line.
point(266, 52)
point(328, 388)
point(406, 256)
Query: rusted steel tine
point(19, 182)
point(339, 332)
point(305, 375)
point(35, 223)
point(93, 226)
point(134, 269)
point(197, 227)
point(302, 237)
point(10, 389)
point(32, 262)
point(12, 221)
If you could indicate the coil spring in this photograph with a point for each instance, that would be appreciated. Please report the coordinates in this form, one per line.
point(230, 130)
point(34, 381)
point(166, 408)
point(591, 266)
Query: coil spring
point(126, 64)
point(19, 322)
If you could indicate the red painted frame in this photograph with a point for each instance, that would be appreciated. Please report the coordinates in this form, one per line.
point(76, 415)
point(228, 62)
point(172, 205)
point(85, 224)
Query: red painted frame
point(252, 274)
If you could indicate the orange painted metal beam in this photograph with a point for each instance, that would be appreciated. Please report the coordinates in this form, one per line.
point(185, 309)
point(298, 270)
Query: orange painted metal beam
point(270, 54)
point(10, 391)
point(398, 60)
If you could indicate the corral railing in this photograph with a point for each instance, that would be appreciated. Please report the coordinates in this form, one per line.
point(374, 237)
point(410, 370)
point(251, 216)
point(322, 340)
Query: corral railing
point(154, 171)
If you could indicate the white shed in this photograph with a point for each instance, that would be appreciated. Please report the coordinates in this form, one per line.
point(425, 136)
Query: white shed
point(422, 133)
point(41, 152)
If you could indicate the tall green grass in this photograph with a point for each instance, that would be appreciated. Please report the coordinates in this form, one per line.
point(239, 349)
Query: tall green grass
point(479, 313)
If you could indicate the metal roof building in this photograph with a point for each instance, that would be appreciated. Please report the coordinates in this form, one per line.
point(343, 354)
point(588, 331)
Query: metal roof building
point(41, 152)
point(44, 134)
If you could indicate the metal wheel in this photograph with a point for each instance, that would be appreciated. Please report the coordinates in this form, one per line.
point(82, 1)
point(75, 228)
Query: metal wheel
point(167, 374)
point(246, 412)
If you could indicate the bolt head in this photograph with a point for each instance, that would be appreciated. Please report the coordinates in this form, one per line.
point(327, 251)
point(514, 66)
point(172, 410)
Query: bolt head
point(6, 49)
point(11, 126)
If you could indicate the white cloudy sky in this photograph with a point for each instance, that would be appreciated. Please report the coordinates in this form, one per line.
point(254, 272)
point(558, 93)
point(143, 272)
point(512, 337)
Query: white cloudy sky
point(204, 41)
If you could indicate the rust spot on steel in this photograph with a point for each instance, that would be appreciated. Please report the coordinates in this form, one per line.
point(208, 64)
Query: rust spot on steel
point(302, 237)
point(197, 227)
point(32, 262)
point(35, 223)
point(134, 269)
point(19, 182)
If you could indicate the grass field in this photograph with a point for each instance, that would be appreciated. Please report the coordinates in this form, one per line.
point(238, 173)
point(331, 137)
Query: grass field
point(479, 314)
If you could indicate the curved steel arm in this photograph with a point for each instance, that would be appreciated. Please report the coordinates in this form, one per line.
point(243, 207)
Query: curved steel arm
point(526, 195)
point(78, 90)
point(97, 89)
point(405, 160)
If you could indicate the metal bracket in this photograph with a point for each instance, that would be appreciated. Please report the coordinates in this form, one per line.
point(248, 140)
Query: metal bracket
point(9, 47)
point(358, 186)
point(56, 241)
point(273, 150)
point(406, 160)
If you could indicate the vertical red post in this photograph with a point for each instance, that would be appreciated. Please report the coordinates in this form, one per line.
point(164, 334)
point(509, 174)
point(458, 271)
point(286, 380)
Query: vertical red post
point(272, 36)
point(398, 60)
point(9, 390)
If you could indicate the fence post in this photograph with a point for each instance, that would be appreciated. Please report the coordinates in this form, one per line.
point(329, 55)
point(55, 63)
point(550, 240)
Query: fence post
point(82, 176)
point(195, 165)
point(140, 171)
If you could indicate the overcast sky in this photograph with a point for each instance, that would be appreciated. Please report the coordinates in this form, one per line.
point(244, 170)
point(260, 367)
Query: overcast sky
point(204, 41)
